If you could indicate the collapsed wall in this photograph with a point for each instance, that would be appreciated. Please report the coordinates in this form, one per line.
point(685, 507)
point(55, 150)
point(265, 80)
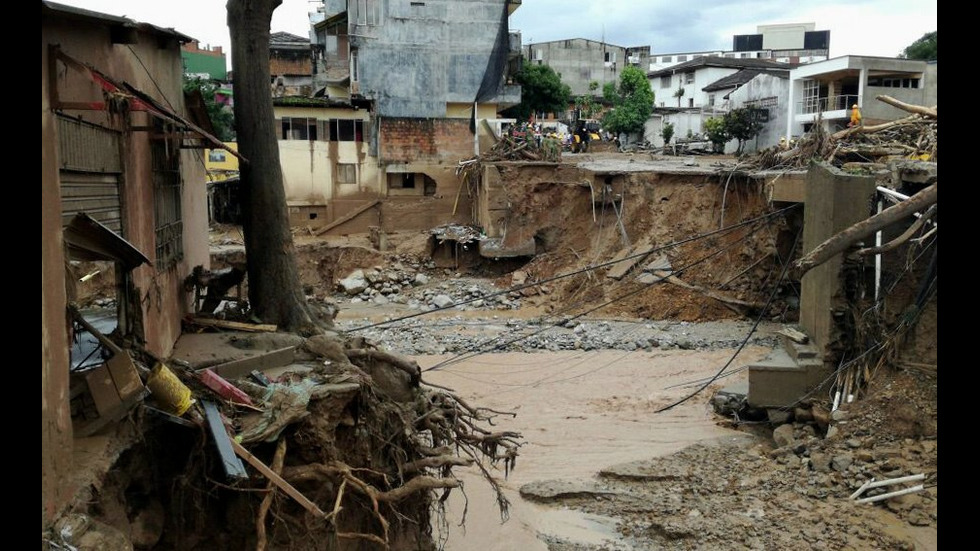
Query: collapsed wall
point(608, 216)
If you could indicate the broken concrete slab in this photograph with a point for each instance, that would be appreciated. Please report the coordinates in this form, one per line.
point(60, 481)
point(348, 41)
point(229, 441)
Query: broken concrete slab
point(551, 490)
point(494, 247)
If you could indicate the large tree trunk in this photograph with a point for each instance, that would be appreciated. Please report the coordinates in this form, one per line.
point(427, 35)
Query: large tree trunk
point(845, 238)
point(274, 290)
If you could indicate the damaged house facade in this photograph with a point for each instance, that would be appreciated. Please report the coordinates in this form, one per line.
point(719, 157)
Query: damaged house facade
point(120, 183)
point(402, 91)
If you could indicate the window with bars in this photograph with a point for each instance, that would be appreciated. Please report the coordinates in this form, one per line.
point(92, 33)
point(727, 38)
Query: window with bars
point(167, 191)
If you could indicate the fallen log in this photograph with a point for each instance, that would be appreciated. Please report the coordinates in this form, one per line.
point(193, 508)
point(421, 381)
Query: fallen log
point(900, 239)
point(911, 119)
point(918, 109)
point(843, 239)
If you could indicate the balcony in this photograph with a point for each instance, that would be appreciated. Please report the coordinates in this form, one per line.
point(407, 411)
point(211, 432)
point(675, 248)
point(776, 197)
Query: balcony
point(827, 107)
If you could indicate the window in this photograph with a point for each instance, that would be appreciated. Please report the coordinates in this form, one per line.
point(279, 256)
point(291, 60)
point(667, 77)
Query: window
point(743, 55)
point(294, 128)
point(690, 102)
point(667, 59)
point(342, 130)
point(216, 156)
point(665, 81)
point(894, 82)
point(711, 100)
point(364, 12)
point(167, 188)
point(346, 173)
point(353, 65)
point(729, 55)
point(610, 57)
point(681, 58)
point(689, 78)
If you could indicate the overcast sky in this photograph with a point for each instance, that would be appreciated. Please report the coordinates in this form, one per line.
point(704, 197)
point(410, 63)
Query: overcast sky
point(857, 27)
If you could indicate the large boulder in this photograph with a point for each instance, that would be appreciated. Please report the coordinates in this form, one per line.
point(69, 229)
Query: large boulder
point(354, 283)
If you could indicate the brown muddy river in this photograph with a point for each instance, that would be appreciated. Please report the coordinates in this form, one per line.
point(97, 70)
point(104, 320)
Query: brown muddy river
point(578, 412)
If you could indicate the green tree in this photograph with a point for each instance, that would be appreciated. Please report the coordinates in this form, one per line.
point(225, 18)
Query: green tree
point(741, 124)
point(667, 132)
point(717, 134)
point(222, 117)
point(587, 104)
point(924, 48)
point(632, 102)
point(541, 91)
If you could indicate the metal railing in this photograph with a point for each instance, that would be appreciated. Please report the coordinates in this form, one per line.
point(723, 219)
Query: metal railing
point(826, 103)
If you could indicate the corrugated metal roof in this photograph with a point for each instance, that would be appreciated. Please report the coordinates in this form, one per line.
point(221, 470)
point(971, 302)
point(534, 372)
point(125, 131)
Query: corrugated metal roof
point(740, 78)
point(715, 61)
point(72, 12)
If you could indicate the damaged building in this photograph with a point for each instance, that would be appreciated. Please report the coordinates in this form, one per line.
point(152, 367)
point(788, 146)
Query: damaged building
point(401, 95)
point(122, 183)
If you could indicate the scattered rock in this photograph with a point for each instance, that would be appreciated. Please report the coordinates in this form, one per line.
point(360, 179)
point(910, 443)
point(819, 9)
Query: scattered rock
point(442, 301)
point(819, 462)
point(783, 435)
point(841, 462)
point(354, 283)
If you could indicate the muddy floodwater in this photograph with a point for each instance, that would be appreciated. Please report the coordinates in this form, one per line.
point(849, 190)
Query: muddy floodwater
point(578, 412)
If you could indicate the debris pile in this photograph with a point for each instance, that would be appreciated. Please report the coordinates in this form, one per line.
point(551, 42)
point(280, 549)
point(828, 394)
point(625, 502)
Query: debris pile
point(913, 137)
point(322, 439)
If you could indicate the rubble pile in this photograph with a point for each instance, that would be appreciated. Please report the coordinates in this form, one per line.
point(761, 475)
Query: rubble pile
point(456, 335)
point(379, 285)
point(777, 490)
point(915, 137)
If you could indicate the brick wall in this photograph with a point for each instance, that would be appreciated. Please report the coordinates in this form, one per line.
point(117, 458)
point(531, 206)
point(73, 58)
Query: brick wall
point(289, 63)
point(425, 140)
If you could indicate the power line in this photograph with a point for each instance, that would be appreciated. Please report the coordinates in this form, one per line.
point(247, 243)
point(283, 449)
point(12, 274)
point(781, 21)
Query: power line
point(746, 339)
point(474, 352)
point(583, 270)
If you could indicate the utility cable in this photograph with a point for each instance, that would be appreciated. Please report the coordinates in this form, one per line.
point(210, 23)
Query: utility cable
point(583, 270)
point(758, 320)
point(473, 352)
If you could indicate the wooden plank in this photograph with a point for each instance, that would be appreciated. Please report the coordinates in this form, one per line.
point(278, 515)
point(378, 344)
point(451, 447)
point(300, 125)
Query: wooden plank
point(348, 217)
point(277, 480)
point(234, 325)
point(620, 269)
point(232, 465)
point(239, 368)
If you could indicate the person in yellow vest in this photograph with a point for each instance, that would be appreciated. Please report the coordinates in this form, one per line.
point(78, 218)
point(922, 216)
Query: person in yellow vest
point(855, 116)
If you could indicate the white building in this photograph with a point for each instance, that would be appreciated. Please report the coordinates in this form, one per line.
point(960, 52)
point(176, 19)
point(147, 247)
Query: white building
point(827, 90)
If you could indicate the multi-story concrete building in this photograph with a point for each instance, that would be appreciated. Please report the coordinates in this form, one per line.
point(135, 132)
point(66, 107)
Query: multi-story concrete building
point(580, 61)
point(794, 43)
point(826, 90)
point(411, 84)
